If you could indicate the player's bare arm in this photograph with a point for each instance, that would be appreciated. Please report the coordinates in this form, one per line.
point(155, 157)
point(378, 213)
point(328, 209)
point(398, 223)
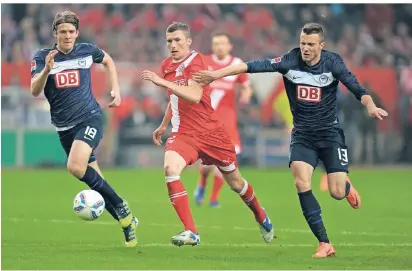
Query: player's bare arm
point(206, 77)
point(192, 92)
point(38, 82)
point(114, 82)
point(245, 94)
point(157, 134)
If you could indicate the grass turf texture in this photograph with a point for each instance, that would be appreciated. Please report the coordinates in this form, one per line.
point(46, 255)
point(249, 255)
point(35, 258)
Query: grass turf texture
point(41, 231)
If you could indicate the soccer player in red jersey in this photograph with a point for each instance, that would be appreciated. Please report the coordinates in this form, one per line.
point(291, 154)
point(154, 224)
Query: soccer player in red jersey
point(196, 133)
point(223, 97)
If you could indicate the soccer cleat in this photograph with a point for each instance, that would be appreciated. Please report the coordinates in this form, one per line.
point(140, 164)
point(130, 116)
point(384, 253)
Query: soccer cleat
point(353, 197)
point(266, 229)
point(214, 204)
point(324, 250)
point(130, 233)
point(199, 195)
point(324, 182)
point(124, 214)
point(186, 238)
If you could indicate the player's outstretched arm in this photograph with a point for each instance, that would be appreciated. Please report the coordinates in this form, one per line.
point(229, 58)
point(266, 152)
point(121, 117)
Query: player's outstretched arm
point(192, 92)
point(38, 81)
point(114, 82)
point(343, 74)
point(253, 66)
point(206, 77)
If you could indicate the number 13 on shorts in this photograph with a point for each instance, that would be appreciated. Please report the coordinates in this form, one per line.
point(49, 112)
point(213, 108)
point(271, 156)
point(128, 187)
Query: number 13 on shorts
point(343, 155)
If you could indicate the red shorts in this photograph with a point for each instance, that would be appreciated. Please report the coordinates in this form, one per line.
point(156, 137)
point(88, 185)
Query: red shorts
point(213, 149)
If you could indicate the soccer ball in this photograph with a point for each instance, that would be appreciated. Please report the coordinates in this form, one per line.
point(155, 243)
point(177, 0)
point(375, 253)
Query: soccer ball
point(88, 205)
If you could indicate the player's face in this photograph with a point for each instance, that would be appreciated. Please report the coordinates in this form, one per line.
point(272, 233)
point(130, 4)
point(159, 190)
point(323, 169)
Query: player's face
point(178, 44)
point(221, 46)
point(310, 47)
point(66, 34)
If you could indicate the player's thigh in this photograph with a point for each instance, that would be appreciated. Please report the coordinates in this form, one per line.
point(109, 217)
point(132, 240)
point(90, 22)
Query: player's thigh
point(217, 149)
point(334, 153)
point(87, 138)
point(302, 162)
point(180, 151)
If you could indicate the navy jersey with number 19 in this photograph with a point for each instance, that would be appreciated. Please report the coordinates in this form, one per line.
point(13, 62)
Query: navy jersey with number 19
point(68, 86)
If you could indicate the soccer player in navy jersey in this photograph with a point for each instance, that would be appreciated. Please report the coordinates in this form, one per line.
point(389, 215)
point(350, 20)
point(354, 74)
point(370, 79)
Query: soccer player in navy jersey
point(63, 72)
point(311, 76)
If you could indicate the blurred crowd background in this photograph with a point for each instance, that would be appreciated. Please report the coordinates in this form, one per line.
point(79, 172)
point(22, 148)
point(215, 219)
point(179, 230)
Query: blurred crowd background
point(375, 41)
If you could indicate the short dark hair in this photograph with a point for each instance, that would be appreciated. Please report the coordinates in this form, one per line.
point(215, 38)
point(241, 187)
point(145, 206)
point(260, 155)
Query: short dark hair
point(175, 26)
point(64, 17)
point(219, 34)
point(313, 28)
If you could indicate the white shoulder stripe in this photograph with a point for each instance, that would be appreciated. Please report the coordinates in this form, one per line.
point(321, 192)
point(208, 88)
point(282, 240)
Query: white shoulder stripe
point(73, 64)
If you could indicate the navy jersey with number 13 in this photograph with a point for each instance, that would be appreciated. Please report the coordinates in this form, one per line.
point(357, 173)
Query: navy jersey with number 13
point(311, 89)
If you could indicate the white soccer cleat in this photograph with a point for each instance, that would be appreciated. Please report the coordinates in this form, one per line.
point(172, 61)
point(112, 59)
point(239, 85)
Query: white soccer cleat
point(186, 238)
point(266, 229)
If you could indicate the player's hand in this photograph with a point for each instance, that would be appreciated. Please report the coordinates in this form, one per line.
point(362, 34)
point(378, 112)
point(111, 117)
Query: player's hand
point(157, 135)
point(377, 112)
point(49, 62)
point(116, 98)
point(204, 77)
point(151, 76)
point(244, 98)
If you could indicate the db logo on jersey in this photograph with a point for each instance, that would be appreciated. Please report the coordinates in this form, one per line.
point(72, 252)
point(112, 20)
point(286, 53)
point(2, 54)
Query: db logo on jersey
point(309, 94)
point(67, 79)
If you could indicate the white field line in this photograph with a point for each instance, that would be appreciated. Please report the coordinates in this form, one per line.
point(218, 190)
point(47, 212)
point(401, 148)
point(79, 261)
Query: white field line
point(246, 245)
point(107, 223)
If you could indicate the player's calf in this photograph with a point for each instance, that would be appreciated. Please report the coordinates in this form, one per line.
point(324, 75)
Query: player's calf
point(247, 194)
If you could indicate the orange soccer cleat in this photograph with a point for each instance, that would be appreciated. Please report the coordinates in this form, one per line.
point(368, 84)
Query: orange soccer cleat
point(324, 250)
point(353, 197)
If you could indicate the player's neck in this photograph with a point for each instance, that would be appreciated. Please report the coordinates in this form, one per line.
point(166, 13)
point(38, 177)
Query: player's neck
point(313, 62)
point(183, 57)
point(221, 59)
point(64, 51)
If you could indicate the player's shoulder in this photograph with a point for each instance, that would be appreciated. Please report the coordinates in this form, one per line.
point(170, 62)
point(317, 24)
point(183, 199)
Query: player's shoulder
point(166, 62)
point(293, 54)
point(330, 56)
point(236, 60)
point(84, 46)
point(42, 53)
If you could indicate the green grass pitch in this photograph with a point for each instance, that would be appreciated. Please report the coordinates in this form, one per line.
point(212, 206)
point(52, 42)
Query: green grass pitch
point(40, 230)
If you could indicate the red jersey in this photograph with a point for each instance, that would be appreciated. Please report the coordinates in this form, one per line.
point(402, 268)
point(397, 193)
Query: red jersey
point(187, 117)
point(223, 94)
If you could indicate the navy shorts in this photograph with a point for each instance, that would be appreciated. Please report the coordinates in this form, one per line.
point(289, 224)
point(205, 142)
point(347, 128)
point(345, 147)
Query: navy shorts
point(89, 131)
point(327, 146)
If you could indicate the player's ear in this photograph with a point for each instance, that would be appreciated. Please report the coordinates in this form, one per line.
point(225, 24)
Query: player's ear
point(322, 44)
point(189, 41)
point(77, 33)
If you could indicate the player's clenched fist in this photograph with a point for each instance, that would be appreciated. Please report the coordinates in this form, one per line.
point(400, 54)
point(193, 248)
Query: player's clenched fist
point(204, 77)
point(49, 62)
point(157, 135)
point(151, 76)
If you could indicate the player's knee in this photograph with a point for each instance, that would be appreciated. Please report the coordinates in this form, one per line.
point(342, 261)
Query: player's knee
point(171, 170)
point(76, 169)
point(235, 181)
point(302, 184)
point(337, 192)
